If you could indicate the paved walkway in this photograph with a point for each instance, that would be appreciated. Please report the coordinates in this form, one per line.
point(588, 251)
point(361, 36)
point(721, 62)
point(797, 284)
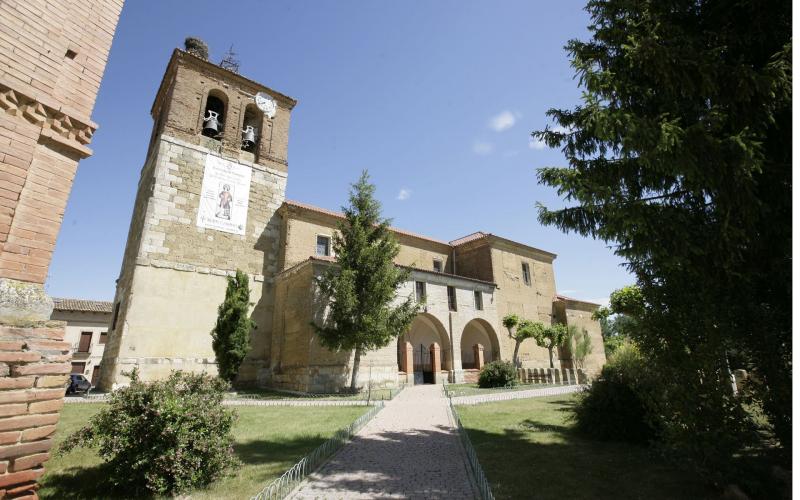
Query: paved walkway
point(409, 450)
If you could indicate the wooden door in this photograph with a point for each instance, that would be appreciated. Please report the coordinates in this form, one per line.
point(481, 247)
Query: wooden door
point(95, 375)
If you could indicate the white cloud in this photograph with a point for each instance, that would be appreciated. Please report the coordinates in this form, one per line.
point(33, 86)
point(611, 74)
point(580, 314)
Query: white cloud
point(404, 194)
point(503, 121)
point(482, 148)
point(537, 144)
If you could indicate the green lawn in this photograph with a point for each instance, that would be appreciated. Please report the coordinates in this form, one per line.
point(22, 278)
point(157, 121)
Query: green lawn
point(473, 390)
point(269, 440)
point(528, 449)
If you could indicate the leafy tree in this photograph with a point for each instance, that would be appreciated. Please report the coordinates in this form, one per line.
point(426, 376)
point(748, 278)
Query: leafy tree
point(616, 326)
point(679, 155)
point(363, 287)
point(520, 330)
point(231, 335)
point(550, 337)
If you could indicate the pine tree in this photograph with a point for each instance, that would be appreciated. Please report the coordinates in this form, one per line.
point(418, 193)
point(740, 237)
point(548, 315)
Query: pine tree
point(231, 335)
point(679, 155)
point(362, 287)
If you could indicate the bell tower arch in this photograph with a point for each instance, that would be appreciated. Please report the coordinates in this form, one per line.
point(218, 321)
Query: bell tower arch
point(214, 175)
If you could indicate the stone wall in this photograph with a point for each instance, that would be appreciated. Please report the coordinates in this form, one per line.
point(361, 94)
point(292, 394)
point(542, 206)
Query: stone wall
point(34, 363)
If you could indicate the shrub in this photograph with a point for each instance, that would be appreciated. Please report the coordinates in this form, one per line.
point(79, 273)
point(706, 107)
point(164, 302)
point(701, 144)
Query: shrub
point(498, 374)
point(164, 437)
point(230, 337)
point(612, 408)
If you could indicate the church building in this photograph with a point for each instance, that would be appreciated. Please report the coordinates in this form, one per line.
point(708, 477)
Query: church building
point(211, 199)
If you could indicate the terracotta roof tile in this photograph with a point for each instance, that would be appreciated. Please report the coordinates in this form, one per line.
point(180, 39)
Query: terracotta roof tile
point(470, 237)
point(82, 305)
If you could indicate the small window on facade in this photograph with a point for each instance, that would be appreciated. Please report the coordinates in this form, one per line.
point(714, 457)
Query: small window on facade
point(323, 246)
point(86, 342)
point(420, 291)
point(526, 273)
point(437, 265)
point(478, 300)
point(451, 298)
point(114, 318)
point(103, 337)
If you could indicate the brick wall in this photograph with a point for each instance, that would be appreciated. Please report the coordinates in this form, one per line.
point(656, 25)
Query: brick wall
point(34, 363)
point(52, 57)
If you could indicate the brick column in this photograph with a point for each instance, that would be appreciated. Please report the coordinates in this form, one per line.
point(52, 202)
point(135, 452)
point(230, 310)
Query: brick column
point(436, 362)
point(407, 358)
point(34, 363)
point(477, 351)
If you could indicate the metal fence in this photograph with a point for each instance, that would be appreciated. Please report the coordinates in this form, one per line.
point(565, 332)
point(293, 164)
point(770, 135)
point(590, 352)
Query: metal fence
point(281, 487)
point(484, 487)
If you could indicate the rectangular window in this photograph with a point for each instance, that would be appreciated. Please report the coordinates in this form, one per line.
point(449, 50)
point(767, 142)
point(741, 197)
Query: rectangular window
point(86, 342)
point(114, 318)
point(526, 273)
point(78, 367)
point(451, 298)
point(103, 337)
point(323, 246)
point(478, 300)
point(437, 265)
point(420, 289)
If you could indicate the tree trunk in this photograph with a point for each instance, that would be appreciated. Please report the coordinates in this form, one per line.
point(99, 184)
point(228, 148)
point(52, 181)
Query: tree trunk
point(356, 362)
point(550, 351)
point(516, 353)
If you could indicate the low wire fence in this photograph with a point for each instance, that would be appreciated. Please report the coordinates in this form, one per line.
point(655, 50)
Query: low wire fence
point(484, 488)
point(281, 487)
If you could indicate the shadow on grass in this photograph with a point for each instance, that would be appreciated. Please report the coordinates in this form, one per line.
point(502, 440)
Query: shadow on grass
point(547, 460)
point(92, 482)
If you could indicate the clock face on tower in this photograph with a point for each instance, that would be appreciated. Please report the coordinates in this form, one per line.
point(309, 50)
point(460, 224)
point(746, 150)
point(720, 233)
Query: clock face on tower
point(266, 104)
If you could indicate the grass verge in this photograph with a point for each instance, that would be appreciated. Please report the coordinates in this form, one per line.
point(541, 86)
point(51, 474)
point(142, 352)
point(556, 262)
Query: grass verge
point(528, 449)
point(473, 390)
point(268, 440)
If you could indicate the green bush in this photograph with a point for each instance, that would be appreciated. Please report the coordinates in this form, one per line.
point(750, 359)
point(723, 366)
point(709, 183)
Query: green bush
point(162, 437)
point(498, 374)
point(612, 407)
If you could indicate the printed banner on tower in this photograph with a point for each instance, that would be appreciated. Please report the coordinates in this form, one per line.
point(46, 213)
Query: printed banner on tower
point(224, 196)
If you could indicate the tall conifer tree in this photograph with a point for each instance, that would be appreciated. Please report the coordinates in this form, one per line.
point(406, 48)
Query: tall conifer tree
point(362, 288)
point(680, 156)
point(231, 335)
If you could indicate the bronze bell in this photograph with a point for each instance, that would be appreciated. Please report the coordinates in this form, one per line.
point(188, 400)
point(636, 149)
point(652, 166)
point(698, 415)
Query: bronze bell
point(248, 137)
point(211, 123)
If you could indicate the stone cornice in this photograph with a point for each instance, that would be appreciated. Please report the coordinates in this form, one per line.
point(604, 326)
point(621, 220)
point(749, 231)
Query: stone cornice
point(70, 131)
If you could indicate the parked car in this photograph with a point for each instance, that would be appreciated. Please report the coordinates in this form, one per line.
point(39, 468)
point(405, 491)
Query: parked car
point(78, 383)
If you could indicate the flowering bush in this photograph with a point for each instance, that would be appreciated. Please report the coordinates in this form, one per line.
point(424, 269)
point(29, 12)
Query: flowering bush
point(163, 437)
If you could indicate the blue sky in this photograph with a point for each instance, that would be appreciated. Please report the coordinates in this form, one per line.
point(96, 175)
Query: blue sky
point(436, 99)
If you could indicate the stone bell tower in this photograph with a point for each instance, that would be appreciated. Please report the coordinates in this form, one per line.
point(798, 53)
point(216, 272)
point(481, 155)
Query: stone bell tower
point(214, 175)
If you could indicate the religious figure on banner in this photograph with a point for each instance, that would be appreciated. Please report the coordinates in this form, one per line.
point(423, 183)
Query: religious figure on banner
point(225, 200)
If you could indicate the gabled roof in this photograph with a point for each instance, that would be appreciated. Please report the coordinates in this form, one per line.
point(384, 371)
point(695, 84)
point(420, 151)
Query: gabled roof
point(470, 237)
point(570, 299)
point(82, 305)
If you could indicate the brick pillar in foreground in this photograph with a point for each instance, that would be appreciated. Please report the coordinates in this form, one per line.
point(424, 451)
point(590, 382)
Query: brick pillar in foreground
point(33, 362)
point(407, 358)
point(52, 58)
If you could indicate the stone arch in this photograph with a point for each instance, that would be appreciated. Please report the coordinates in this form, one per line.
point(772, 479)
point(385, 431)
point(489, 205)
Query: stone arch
point(216, 108)
point(478, 331)
point(425, 330)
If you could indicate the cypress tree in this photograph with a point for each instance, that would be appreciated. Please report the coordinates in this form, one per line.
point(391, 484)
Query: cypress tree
point(231, 335)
